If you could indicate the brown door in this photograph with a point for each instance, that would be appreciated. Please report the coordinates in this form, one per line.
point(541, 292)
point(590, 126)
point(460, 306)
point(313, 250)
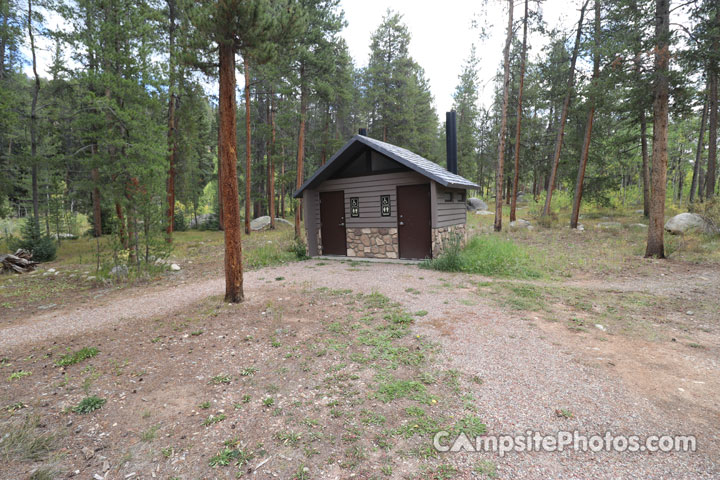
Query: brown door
point(413, 205)
point(332, 223)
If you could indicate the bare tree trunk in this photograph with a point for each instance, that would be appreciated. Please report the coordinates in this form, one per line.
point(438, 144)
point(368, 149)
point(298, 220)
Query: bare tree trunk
point(271, 163)
point(3, 42)
point(121, 220)
point(221, 215)
point(323, 155)
point(577, 198)
point(710, 173)
point(518, 123)
point(645, 164)
point(503, 124)
point(655, 242)
point(97, 208)
point(33, 122)
point(248, 146)
point(228, 162)
point(172, 143)
point(301, 149)
point(282, 184)
point(698, 153)
point(564, 114)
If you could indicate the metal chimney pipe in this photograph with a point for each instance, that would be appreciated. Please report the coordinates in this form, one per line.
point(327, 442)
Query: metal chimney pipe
point(363, 132)
point(451, 141)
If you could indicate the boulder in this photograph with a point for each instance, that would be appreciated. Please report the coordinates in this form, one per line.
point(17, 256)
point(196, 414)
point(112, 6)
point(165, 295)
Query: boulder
point(484, 212)
point(202, 220)
point(686, 222)
point(261, 223)
point(474, 204)
point(609, 225)
point(639, 226)
point(175, 267)
point(520, 223)
point(120, 270)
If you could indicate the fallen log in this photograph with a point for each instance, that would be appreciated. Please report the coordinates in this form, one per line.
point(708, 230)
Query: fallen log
point(20, 262)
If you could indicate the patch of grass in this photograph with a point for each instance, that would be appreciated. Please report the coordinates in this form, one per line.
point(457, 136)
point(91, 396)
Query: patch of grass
point(213, 419)
point(71, 358)
point(231, 453)
point(470, 425)
point(204, 405)
point(248, 371)
point(486, 469)
point(220, 380)
point(268, 402)
point(287, 438)
point(89, 404)
point(23, 440)
point(420, 313)
point(563, 413)
point(149, 434)
point(19, 374)
point(394, 389)
point(488, 255)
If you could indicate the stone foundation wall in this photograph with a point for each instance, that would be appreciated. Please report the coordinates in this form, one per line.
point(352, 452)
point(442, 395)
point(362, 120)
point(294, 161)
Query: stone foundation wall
point(319, 242)
point(372, 242)
point(441, 235)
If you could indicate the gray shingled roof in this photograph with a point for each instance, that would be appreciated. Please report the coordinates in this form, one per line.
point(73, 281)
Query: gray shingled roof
point(401, 155)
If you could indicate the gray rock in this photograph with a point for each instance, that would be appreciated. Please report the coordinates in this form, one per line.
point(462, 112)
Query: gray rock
point(202, 219)
point(484, 212)
point(686, 222)
point(175, 267)
point(476, 204)
point(261, 223)
point(520, 223)
point(640, 226)
point(120, 270)
point(609, 225)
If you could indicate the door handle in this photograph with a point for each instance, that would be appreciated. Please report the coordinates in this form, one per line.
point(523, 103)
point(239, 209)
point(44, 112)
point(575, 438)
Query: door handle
point(402, 223)
point(341, 224)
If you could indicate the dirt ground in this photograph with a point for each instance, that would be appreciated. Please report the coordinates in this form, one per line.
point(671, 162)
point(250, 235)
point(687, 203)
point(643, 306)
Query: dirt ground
point(319, 375)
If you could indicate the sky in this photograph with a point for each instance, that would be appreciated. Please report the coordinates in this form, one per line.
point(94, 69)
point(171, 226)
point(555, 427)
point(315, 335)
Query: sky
point(441, 38)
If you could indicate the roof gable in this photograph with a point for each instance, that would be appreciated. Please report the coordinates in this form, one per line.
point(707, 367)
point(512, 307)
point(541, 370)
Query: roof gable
point(401, 155)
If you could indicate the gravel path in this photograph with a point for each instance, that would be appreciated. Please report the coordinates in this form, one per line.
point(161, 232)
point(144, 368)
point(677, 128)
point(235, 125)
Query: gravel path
point(526, 376)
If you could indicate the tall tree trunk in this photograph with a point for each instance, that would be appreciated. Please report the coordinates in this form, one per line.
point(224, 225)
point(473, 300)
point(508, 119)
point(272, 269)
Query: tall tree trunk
point(301, 148)
point(323, 155)
point(645, 164)
point(271, 163)
point(33, 121)
point(710, 173)
point(577, 198)
point(3, 41)
point(518, 123)
point(564, 114)
point(282, 184)
point(97, 208)
point(172, 143)
point(248, 146)
point(221, 215)
point(228, 162)
point(655, 242)
point(698, 153)
point(121, 221)
point(503, 124)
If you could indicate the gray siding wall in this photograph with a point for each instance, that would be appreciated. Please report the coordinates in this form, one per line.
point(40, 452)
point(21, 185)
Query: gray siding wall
point(311, 215)
point(449, 213)
point(368, 189)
